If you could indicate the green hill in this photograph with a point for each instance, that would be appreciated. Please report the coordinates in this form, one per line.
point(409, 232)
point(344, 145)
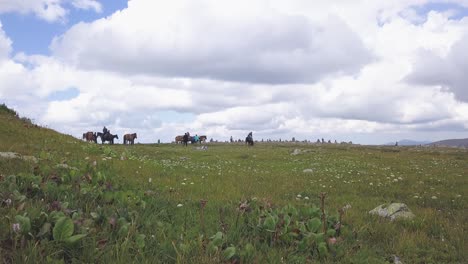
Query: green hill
point(63, 200)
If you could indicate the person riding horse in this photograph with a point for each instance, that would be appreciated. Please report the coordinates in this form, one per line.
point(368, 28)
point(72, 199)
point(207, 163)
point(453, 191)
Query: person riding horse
point(105, 130)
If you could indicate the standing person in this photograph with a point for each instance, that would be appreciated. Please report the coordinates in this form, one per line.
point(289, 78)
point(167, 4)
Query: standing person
point(186, 138)
point(196, 138)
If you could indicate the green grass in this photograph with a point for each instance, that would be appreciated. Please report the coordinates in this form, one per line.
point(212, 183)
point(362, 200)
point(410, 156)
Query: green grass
point(125, 199)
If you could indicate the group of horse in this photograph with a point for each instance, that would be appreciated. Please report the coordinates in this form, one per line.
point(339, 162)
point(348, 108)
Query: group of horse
point(191, 139)
point(93, 136)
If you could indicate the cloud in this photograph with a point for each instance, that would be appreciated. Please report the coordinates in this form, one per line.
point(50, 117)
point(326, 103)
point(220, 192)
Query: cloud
point(88, 4)
point(49, 10)
point(447, 71)
point(281, 70)
point(185, 40)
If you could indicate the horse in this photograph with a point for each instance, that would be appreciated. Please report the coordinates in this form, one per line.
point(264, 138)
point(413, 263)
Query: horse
point(129, 138)
point(107, 137)
point(249, 141)
point(90, 136)
point(179, 139)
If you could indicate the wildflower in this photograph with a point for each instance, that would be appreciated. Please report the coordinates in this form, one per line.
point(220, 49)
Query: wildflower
point(192, 183)
point(180, 205)
point(434, 197)
point(183, 183)
point(458, 195)
point(306, 198)
point(299, 196)
point(150, 180)
point(16, 227)
point(371, 184)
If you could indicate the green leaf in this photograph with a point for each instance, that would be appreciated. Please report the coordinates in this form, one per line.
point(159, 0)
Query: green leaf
point(63, 229)
point(319, 238)
point(229, 252)
point(331, 232)
point(55, 216)
point(314, 225)
point(322, 248)
point(123, 230)
point(73, 239)
point(217, 239)
point(24, 222)
point(212, 249)
point(44, 229)
point(140, 241)
point(248, 251)
point(270, 223)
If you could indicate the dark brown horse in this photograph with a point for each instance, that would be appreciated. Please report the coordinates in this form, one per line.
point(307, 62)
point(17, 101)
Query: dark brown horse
point(107, 137)
point(90, 137)
point(129, 138)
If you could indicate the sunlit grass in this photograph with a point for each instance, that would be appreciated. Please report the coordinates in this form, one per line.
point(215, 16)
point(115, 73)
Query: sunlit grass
point(157, 190)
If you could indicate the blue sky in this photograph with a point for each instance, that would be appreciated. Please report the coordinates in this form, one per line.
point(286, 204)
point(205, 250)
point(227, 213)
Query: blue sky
point(33, 35)
point(308, 69)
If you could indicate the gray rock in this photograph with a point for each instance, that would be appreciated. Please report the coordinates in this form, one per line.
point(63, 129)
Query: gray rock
point(296, 152)
point(393, 211)
point(9, 155)
point(65, 166)
point(13, 155)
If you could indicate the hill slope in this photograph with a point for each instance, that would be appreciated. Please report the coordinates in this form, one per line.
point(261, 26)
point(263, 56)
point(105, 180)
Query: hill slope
point(462, 142)
point(19, 134)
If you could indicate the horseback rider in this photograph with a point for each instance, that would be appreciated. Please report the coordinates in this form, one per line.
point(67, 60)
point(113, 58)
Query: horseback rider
point(105, 130)
point(250, 135)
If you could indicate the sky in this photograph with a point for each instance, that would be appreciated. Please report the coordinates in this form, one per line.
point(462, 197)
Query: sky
point(365, 71)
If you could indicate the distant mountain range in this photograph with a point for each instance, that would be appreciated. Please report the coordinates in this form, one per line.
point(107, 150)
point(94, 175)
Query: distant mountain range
point(408, 142)
point(463, 142)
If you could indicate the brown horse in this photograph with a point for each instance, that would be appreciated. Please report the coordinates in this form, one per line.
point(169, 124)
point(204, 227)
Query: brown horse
point(90, 136)
point(179, 139)
point(129, 138)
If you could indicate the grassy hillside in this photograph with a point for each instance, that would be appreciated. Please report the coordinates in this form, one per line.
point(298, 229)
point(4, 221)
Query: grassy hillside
point(462, 142)
point(82, 202)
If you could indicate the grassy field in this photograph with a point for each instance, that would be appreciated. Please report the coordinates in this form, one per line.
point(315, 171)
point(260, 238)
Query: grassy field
point(67, 201)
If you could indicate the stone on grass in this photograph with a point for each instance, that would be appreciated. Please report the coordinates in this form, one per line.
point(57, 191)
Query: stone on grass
point(65, 166)
point(13, 155)
point(296, 152)
point(393, 211)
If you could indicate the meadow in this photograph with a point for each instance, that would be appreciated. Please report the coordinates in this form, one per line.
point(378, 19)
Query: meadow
point(67, 201)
